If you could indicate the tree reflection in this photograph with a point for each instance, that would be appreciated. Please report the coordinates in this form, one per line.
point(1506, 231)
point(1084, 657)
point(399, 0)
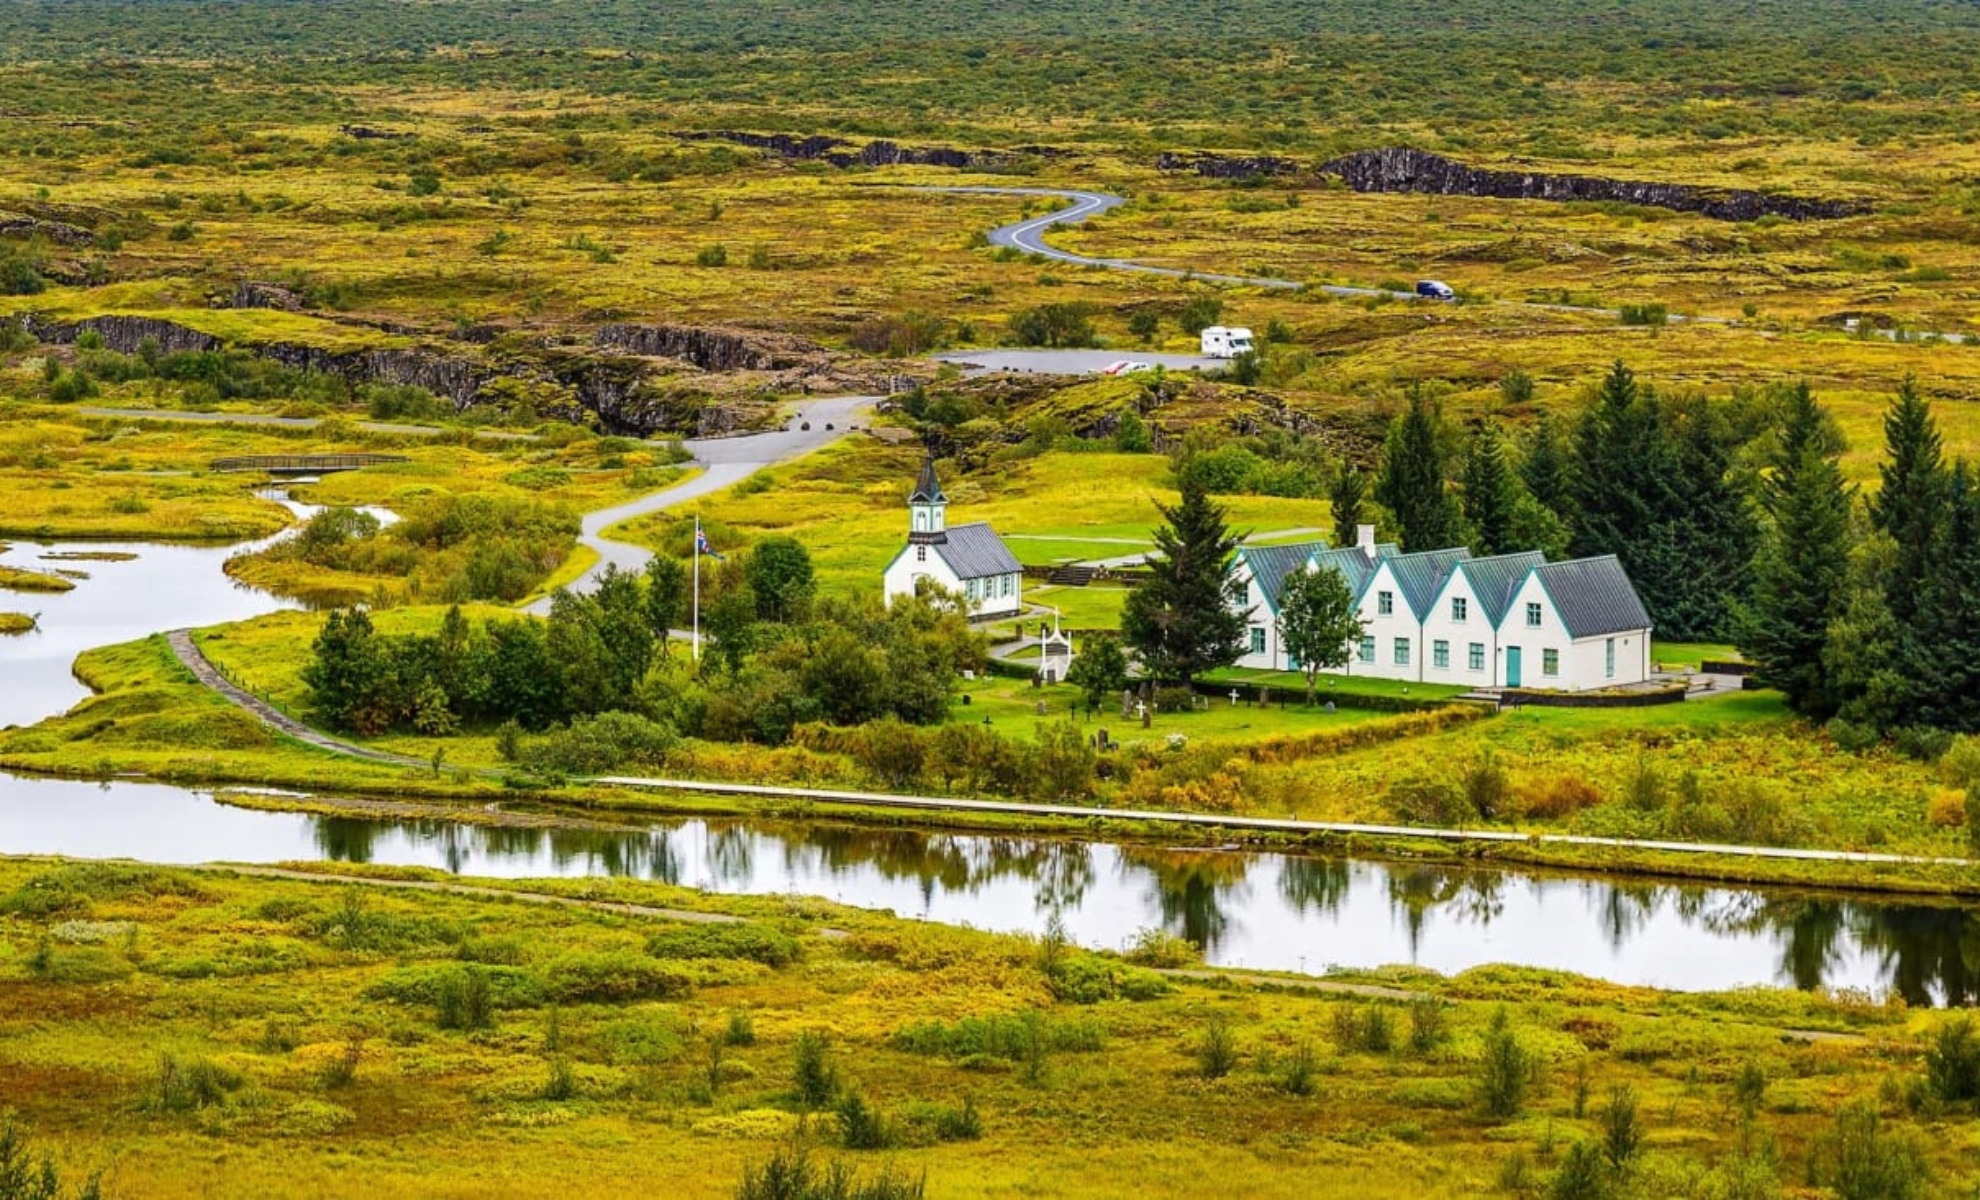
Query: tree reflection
point(1929, 954)
point(1192, 890)
point(1319, 885)
point(1469, 895)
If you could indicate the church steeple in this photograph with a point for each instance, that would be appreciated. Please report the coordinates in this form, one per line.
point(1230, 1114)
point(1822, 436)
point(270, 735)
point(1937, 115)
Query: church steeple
point(928, 507)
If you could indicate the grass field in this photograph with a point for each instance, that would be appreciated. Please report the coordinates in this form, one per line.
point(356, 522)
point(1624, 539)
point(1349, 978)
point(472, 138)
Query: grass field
point(158, 1020)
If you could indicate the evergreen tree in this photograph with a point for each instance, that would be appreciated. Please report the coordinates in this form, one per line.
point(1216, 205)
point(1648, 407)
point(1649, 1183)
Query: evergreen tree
point(1547, 470)
point(1348, 499)
point(522, 685)
point(1940, 645)
point(1491, 492)
point(1317, 621)
point(1911, 504)
point(1622, 479)
point(1411, 483)
point(778, 571)
point(1182, 621)
point(1802, 566)
point(1703, 546)
point(1862, 654)
point(349, 674)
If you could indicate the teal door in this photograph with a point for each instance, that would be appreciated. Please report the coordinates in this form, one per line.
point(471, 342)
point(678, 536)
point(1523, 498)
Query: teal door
point(1512, 666)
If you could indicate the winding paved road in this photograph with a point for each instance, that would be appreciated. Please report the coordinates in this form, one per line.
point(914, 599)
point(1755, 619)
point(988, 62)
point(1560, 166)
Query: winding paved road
point(724, 461)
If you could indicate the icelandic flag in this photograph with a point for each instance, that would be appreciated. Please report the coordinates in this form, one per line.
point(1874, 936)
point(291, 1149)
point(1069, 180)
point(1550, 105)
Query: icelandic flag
point(701, 546)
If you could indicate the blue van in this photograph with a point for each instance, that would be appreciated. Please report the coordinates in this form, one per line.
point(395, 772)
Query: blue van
point(1431, 289)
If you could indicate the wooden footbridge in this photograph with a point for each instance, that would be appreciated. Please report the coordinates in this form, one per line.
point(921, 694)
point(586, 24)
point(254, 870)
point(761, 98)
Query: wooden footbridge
point(303, 464)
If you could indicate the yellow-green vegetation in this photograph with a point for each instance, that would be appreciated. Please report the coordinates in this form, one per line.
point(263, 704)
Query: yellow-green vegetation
point(465, 1040)
point(14, 579)
point(848, 505)
point(13, 622)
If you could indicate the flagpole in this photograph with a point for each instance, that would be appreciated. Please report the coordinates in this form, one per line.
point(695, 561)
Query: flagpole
point(697, 588)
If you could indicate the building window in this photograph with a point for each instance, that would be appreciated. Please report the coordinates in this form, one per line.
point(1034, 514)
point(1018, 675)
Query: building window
point(1478, 656)
point(1367, 654)
point(1550, 662)
point(1257, 640)
point(1458, 607)
point(921, 554)
point(1609, 664)
point(1402, 652)
point(1385, 603)
point(1440, 654)
point(1533, 614)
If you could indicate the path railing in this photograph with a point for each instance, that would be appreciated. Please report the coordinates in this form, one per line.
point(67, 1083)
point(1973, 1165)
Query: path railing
point(303, 464)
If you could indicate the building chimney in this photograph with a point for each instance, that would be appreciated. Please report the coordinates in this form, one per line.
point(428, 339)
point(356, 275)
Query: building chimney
point(1364, 539)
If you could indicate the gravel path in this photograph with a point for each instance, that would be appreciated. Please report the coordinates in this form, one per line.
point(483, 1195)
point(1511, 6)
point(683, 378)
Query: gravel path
point(203, 670)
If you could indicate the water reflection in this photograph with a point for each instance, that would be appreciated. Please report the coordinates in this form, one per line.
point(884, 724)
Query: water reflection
point(1262, 910)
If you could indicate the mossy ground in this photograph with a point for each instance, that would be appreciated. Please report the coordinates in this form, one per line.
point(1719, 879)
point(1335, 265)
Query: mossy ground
point(275, 989)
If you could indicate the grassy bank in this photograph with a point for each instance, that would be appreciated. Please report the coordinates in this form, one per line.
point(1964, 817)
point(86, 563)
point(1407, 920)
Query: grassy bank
point(159, 1022)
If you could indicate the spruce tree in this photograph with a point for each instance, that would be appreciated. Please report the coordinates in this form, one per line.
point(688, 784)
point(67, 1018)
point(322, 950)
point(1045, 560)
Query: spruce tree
point(1940, 645)
point(1801, 570)
point(1411, 484)
point(1183, 621)
point(1547, 470)
point(1623, 471)
point(1911, 504)
point(1491, 492)
point(1348, 499)
point(1712, 533)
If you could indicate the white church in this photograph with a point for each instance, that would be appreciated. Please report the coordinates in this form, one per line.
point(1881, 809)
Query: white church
point(969, 560)
point(1443, 616)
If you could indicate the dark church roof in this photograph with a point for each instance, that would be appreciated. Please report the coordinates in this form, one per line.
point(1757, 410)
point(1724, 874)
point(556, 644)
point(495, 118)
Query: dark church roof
point(975, 551)
point(927, 489)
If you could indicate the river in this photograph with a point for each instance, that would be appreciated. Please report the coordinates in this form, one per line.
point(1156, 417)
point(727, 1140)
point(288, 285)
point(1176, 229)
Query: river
point(1246, 909)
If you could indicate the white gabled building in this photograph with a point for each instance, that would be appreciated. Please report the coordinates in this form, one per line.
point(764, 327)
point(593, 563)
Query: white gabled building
point(970, 560)
point(1442, 616)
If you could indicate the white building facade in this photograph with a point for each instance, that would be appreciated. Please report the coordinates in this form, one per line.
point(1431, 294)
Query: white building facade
point(969, 560)
point(1443, 616)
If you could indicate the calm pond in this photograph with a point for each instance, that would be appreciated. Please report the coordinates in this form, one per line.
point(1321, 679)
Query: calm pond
point(1254, 910)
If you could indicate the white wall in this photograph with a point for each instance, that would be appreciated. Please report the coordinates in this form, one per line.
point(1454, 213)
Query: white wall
point(1460, 634)
point(1400, 623)
point(907, 567)
point(1583, 663)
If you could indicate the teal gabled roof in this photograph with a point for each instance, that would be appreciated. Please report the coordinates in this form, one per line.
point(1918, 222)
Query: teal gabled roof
point(1354, 565)
point(1271, 565)
point(1494, 580)
point(1421, 575)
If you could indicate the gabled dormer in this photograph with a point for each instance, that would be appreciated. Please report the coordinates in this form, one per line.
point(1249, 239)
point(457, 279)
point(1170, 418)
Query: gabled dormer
point(928, 508)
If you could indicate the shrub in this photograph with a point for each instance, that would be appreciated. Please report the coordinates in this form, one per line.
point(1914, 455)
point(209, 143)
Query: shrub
point(613, 977)
point(1368, 1029)
point(1861, 1160)
point(1749, 1087)
point(1216, 1052)
point(789, 1174)
point(1487, 787)
point(861, 1127)
point(1947, 808)
point(1300, 1076)
point(1058, 324)
point(1645, 314)
point(1582, 1175)
point(1952, 1062)
point(1159, 948)
point(606, 742)
point(749, 940)
point(1426, 1024)
point(1959, 766)
point(25, 1175)
point(1922, 743)
point(1622, 1128)
point(464, 1001)
point(1007, 1035)
point(195, 1084)
point(741, 1030)
point(814, 1081)
point(1200, 313)
point(1420, 800)
point(1505, 1072)
point(713, 255)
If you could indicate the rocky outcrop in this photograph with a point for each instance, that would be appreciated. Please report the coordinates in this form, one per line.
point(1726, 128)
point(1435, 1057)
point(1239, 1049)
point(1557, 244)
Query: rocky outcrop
point(123, 334)
point(13, 224)
point(267, 295)
point(879, 153)
point(1401, 169)
point(1221, 166)
point(365, 133)
point(710, 348)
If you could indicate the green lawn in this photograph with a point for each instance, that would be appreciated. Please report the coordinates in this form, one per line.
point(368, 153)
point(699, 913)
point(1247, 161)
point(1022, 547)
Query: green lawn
point(1012, 708)
point(1689, 654)
point(1339, 684)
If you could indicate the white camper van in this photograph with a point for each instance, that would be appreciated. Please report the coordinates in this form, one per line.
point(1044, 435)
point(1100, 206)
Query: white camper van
point(1221, 341)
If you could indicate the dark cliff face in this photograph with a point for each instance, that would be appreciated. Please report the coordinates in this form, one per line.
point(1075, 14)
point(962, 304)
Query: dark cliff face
point(1220, 166)
point(60, 232)
point(710, 349)
point(124, 334)
point(841, 153)
point(1401, 169)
